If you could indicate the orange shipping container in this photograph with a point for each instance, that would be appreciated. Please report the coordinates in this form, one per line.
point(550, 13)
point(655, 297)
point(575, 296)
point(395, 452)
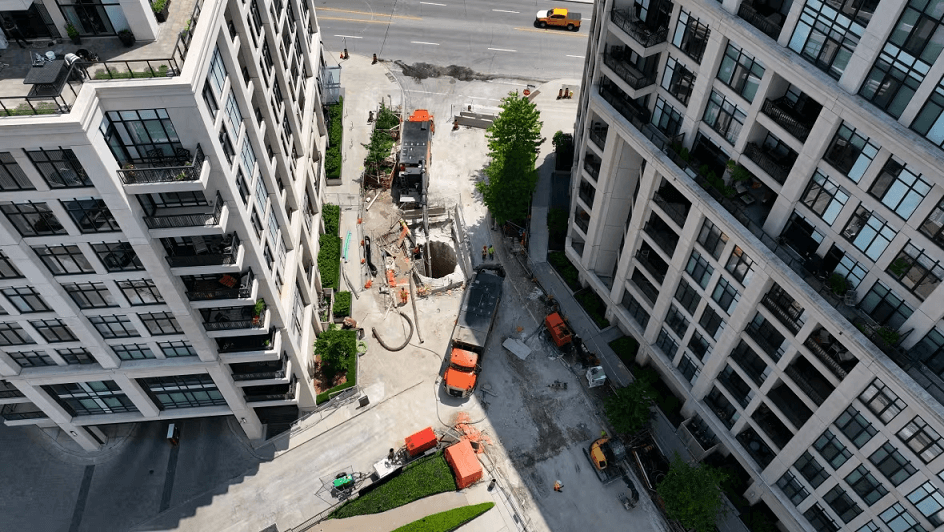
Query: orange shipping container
point(421, 441)
point(465, 464)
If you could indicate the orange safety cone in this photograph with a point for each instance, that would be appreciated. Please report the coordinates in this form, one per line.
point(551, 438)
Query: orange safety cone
point(374, 62)
point(368, 284)
point(455, 124)
point(346, 55)
point(560, 93)
point(527, 92)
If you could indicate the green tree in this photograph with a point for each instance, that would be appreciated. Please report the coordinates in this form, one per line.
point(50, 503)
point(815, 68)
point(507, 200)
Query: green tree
point(513, 141)
point(628, 409)
point(692, 494)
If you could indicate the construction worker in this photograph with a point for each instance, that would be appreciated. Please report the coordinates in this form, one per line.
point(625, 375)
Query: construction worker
point(404, 295)
point(491, 252)
point(558, 486)
point(484, 253)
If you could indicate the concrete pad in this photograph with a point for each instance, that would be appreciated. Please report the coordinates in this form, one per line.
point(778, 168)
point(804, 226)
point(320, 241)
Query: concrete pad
point(517, 348)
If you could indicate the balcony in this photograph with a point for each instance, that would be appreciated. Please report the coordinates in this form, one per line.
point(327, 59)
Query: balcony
point(8, 391)
point(164, 168)
point(784, 307)
point(721, 407)
point(766, 20)
point(253, 371)
point(21, 412)
point(616, 59)
point(788, 116)
point(673, 203)
point(768, 338)
point(598, 131)
point(776, 431)
point(751, 364)
point(736, 386)
point(756, 447)
point(831, 353)
point(274, 392)
point(652, 262)
point(246, 344)
point(194, 251)
point(808, 379)
point(623, 104)
point(591, 163)
point(202, 216)
point(776, 165)
point(645, 286)
point(701, 433)
point(661, 234)
point(639, 30)
point(213, 287)
point(792, 407)
point(233, 318)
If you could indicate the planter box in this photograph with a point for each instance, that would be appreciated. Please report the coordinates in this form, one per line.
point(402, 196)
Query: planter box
point(333, 182)
point(161, 15)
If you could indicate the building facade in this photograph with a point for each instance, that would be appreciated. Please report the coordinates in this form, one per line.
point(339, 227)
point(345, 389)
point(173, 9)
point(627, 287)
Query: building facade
point(758, 198)
point(160, 227)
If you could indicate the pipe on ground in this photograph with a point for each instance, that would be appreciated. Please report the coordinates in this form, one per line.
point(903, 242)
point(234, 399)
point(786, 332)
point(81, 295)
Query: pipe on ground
point(405, 342)
point(416, 316)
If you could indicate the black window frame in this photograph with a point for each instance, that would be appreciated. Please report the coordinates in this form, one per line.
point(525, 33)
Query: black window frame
point(135, 289)
point(666, 344)
point(691, 36)
point(26, 299)
point(893, 176)
point(31, 359)
point(923, 493)
point(841, 32)
point(864, 218)
point(114, 326)
point(177, 349)
point(107, 396)
point(60, 168)
point(724, 117)
point(822, 187)
point(678, 80)
point(847, 138)
point(831, 449)
point(133, 351)
point(12, 330)
point(699, 346)
point(897, 512)
point(157, 319)
point(923, 440)
point(737, 68)
point(12, 176)
point(183, 391)
point(810, 468)
point(712, 238)
point(740, 266)
point(916, 271)
point(688, 368)
point(879, 399)
point(80, 294)
point(91, 215)
point(33, 219)
point(54, 330)
point(677, 321)
point(7, 269)
point(865, 485)
point(711, 322)
point(699, 269)
point(687, 296)
point(899, 468)
point(792, 488)
point(841, 503)
point(725, 294)
point(76, 356)
point(855, 427)
point(117, 256)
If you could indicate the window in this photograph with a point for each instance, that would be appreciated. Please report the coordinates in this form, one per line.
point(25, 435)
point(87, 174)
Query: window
point(116, 326)
point(740, 71)
point(261, 195)
point(7, 269)
point(801, 235)
point(711, 322)
point(687, 296)
point(678, 80)
point(12, 334)
point(690, 36)
point(53, 330)
point(688, 369)
point(849, 268)
point(90, 398)
point(60, 168)
point(144, 135)
point(699, 269)
point(117, 256)
point(248, 157)
point(831, 449)
point(892, 464)
point(227, 147)
point(929, 501)
point(666, 118)
point(183, 391)
point(33, 219)
point(635, 310)
point(217, 73)
point(676, 321)
point(868, 232)
point(819, 519)
point(930, 121)
point(233, 115)
point(922, 439)
point(812, 470)
point(736, 386)
point(740, 266)
point(842, 504)
point(826, 37)
point(866, 485)
point(665, 342)
point(933, 226)
point(724, 117)
point(725, 294)
point(90, 295)
point(899, 520)
point(699, 346)
point(824, 197)
point(899, 189)
point(850, 152)
point(77, 355)
point(177, 349)
point(882, 401)
point(792, 488)
point(930, 351)
point(133, 351)
point(869, 527)
point(160, 323)
point(32, 359)
point(141, 292)
point(210, 99)
point(273, 226)
point(916, 271)
point(12, 176)
point(712, 239)
point(855, 427)
point(26, 299)
point(767, 336)
point(91, 215)
point(885, 307)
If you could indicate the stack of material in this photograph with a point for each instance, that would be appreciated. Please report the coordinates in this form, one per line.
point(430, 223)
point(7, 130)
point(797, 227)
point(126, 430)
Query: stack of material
point(465, 464)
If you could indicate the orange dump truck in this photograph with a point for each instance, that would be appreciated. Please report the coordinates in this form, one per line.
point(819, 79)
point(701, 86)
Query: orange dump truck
point(476, 316)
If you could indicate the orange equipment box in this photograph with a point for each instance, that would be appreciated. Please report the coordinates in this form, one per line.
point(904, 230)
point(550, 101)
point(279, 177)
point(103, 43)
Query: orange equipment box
point(465, 464)
point(559, 330)
point(421, 441)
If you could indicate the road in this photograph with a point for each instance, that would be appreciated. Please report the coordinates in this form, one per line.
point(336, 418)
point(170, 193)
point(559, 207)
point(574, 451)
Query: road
point(490, 37)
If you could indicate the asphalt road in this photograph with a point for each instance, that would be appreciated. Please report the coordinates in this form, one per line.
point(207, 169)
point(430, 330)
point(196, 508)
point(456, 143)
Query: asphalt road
point(490, 37)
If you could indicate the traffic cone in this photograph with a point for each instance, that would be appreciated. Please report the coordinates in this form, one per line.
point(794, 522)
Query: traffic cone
point(455, 125)
point(346, 55)
point(374, 62)
point(560, 93)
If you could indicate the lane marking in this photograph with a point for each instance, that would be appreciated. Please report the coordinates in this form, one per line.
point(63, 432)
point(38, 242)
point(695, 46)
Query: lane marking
point(577, 56)
point(502, 50)
point(336, 10)
point(343, 19)
point(561, 33)
point(433, 4)
point(421, 42)
point(426, 92)
point(506, 11)
point(349, 36)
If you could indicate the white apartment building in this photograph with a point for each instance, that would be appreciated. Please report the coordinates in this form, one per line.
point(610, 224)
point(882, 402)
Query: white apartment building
point(792, 297)
point(159, 231)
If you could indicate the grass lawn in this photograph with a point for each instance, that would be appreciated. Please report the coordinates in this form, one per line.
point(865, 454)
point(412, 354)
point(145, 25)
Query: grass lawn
point(422, 478)
point(594, 306)
point(567, 271)
point(448, 520)
point(626, 348)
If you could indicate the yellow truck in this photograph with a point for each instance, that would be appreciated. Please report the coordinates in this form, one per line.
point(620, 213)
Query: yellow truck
point(558, 17)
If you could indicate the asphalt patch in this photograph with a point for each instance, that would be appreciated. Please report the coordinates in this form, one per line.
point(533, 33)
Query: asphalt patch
point(420, 71)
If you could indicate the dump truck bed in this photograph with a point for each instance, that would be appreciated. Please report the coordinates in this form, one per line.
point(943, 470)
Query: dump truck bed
point(478, 310)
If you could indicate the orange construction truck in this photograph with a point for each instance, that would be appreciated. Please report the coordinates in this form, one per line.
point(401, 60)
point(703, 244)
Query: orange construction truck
point(476, 316)
point(558, 17)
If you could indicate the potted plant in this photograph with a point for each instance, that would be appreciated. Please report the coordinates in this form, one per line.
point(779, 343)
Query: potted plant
point(838, 284)
point(160, 8)
point(129, 172)
point(887, 334)
point(126, 37)
point(257, 311)
point(186, 31)
point(73, 33)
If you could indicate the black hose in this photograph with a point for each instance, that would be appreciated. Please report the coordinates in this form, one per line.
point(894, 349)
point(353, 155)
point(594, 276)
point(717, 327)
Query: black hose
point(405, 342)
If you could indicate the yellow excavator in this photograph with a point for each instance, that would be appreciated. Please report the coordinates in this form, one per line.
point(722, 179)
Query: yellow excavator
point(608, 457)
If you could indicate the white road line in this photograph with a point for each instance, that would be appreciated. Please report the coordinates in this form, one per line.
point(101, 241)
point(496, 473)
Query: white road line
point(426, 92)
point(502, 50)
point(349, 36)
point(506, 11)
point(482, 98)
point(421, 42)
point(577, 56)
point(433, 4)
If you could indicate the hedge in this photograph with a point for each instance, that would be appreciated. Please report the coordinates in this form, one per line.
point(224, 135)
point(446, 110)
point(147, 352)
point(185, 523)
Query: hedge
point(447, 521)
point(335, 138)
point(342, 304)
point(346, 340)
point(329, 261)
point(567, 271)
point(331, 214)
point(625, 348)
point(594, 306)
point(425, 477)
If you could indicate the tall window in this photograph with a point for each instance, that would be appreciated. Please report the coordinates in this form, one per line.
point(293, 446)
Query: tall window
point(687, 296)
point(916, 271)
point(930, 351)
point(666, 118)
point(740, 71)
point(183, 391)
point(691, 36)
point(117, 256)
point(233, 115)
point(811, 469)
point(724, 117)
point(64, 260)
point(922, 439)
point(882, 401)
point(792, 488)
point(740, 266)
point(842, 504)
point(866, 485)
point(899, 189)
point(892, 464)
point(852, 270)
point(699, 269)
point(141, 292)
point(930, 121)
point(12, 176)
point(7, 269)
point(53, 330)
point(930, 502)
point(688, 369)
point(217, 73)
point(899, 520)
point(33, 219)
point(699, 346)
point(850, 152)
point(855, 427)
point(667, 344)
point(248, 157)
point(90, 398)
point(117, 326)
point(711, 322)
point(885, 307)
point(160, 323)
point(832, 450)
point(676, 321)
point(725, 294)
point(146, 135)
point(824, 197)
point(868, 232)
point(60, 168)
point(826, 37)
point(712, 239)
point(26, 299)
point(678, 80)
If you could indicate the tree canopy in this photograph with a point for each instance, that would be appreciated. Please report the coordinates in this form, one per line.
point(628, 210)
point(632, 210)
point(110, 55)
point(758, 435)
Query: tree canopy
point(628, 409)
point(692, 494)
point(513, 141)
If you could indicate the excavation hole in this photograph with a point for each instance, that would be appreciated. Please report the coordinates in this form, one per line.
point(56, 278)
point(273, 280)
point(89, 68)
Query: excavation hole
point(443, 259)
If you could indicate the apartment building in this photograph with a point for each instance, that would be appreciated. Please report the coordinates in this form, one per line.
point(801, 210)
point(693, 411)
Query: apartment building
point(758, 198)
point(160, 221)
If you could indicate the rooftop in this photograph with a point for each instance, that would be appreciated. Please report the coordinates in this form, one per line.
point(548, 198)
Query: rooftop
point(53, 87)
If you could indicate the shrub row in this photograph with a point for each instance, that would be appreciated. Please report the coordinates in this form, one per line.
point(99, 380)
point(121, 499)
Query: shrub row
point(342, 304)
point(335, 137)
point(331, 215)
point(594, 306)
point(447, 521)
point(338, 351)
point(329, 261)
point(567, 271)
